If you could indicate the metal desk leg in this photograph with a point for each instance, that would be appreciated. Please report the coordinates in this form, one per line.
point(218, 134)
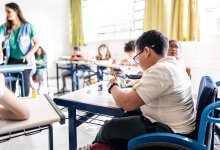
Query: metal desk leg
point(10, 84)
point(22, 84)
point(57, 67)
point(77, 82)
point(50, 137)
point(72, 76)
point(76, 77)
point(72, 128)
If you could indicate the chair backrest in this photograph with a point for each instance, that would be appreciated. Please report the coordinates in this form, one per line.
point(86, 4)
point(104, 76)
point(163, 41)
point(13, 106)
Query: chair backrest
point(206, 96)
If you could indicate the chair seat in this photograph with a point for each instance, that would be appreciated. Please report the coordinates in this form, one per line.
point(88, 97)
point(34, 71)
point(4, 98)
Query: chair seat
point(100, 146)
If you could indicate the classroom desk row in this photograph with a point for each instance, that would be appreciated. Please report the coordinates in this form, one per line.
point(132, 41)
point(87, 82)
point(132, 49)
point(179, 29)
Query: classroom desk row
point(72, 66)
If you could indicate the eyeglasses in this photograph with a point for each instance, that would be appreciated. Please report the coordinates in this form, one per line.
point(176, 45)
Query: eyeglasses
point(136, 58)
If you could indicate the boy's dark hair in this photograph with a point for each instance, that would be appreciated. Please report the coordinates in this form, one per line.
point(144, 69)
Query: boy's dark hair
point(129, 47)
point(154, 40)
point(76, 48)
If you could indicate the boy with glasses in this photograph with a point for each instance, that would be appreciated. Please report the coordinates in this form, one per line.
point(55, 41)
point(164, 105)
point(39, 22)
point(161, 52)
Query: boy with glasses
point(163, 95)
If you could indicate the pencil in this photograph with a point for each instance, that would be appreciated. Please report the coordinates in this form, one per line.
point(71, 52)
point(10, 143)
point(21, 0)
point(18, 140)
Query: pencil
point(113, 72)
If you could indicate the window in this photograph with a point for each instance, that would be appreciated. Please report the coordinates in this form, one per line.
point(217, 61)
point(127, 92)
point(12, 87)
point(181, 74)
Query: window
point(209, 17)
point(112, 19)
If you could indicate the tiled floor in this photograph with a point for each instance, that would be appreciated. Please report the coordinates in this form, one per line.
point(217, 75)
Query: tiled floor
point(85, 133)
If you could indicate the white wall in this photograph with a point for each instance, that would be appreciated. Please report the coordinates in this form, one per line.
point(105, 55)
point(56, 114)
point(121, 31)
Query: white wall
point(203, 57)
point(51, 21)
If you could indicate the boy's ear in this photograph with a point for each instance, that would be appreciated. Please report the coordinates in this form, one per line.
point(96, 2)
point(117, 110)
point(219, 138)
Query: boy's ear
point(146, 50)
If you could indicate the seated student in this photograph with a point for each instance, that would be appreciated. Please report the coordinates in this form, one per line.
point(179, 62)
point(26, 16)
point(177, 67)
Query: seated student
point(12, 108)
point(174, 50)
point(41, 62)
point(103, 54)
point(129, 49)
point(76, 56)
point(163, 94)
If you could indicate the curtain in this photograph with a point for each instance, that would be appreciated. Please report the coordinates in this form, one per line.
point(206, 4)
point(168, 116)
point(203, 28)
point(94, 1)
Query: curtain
point(155, 15)
point(184, 20)
point(76, 22)
point(193, 21)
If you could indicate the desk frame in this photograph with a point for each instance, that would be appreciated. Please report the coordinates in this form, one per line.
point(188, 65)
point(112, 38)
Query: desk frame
point(31, 131)
point(34, 130)
point(71, 68)
point(73, 123)
point(16, 69)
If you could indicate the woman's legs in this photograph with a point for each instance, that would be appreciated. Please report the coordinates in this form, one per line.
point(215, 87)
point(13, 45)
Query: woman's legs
point(27, 83)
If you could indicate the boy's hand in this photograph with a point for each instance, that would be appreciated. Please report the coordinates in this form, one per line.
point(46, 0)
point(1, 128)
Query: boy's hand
point(130, 83)
point(113, 80)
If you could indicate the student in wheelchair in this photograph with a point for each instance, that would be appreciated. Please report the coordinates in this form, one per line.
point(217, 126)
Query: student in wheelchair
point(163, 95)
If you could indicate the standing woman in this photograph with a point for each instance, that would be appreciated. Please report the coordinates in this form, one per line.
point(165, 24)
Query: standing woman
point(20, 41)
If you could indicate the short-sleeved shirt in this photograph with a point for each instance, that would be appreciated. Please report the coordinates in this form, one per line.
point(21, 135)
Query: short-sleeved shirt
point(166, 91)
point(15, 51)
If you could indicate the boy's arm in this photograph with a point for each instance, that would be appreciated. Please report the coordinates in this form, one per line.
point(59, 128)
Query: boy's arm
point(127, 100)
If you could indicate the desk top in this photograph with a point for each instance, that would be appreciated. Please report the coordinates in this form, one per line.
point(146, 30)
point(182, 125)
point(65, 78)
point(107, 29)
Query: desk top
point(41, 113)
point(66, 62)
point(91, 95)
point(65, 57)
point(16, 67)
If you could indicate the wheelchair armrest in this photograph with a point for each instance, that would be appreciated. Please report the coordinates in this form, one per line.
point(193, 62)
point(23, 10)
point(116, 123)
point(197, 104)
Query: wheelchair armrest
point(165, 138)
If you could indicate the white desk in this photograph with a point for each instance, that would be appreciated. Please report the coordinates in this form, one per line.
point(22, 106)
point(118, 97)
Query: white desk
point(87, 99)
point(14, 68)
point(43, 113)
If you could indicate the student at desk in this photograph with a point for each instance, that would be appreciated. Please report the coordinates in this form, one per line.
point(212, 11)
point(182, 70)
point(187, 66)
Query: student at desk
point(76, 56)
point(129, 49)
point(41, 62)
point(103, 54)
point(12, 108)
point(164, 95)
point(20, 42)
point(175, 50)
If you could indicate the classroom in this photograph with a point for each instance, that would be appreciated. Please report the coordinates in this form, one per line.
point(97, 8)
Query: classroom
point(109, 74)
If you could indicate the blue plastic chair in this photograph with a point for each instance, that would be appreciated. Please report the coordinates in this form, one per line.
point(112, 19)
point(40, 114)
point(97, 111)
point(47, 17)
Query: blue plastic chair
point(202, 137)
